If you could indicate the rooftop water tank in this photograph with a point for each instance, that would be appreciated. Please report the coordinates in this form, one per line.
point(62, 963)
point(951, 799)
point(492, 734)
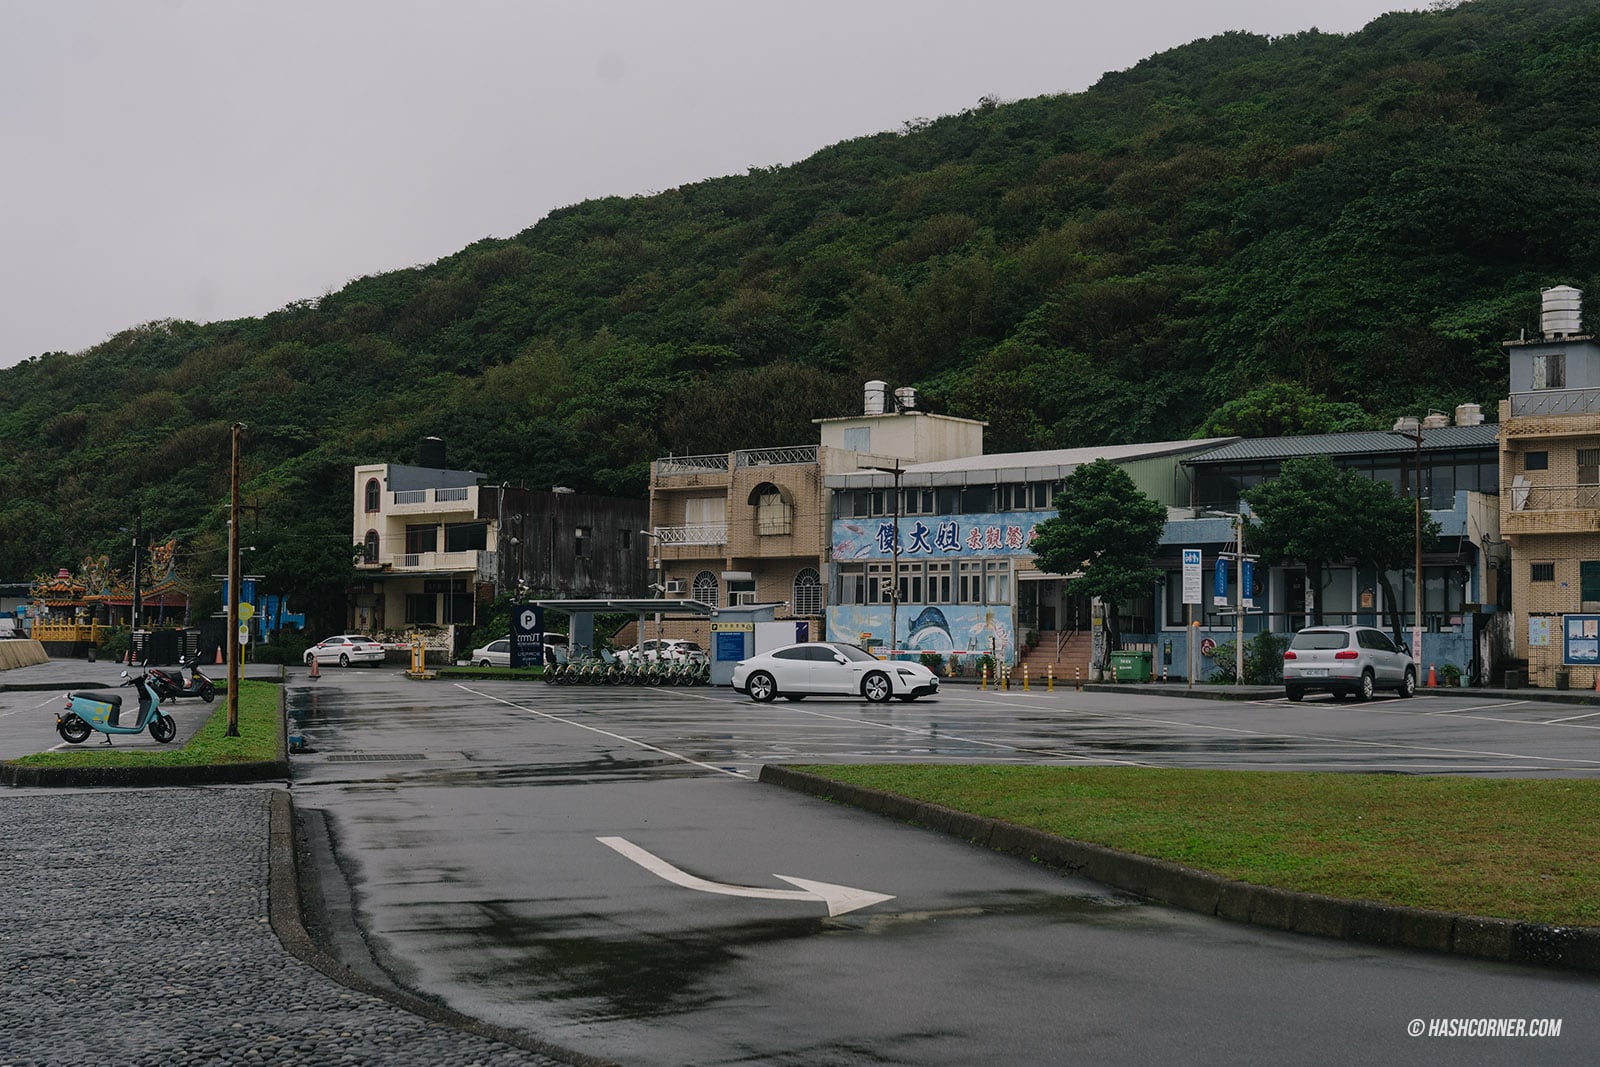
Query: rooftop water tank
point(905, 398)
point(1436, 420)
point(1469, 415)
point(875, 394)
point(430, 453)
point(1561, 311)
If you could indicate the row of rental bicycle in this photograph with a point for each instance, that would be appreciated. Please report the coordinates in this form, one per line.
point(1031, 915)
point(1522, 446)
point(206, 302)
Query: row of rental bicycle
point(607, 668)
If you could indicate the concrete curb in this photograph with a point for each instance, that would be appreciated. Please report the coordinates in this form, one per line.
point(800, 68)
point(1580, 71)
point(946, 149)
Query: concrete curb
point(1502, 940)
point(23, 776)
point(284, 913)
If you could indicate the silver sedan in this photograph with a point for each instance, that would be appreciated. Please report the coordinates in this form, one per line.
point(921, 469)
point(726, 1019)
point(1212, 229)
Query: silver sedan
point(1354, 660)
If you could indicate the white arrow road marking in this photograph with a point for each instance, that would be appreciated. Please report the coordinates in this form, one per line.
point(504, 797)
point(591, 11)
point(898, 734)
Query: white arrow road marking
point(839, 898)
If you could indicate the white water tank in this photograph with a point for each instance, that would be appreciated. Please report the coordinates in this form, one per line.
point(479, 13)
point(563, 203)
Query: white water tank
point(1561, 311)
point(905, 398)
point(1406, 424)
point(1436, 420)
point(875, 394)
point(1469, 415)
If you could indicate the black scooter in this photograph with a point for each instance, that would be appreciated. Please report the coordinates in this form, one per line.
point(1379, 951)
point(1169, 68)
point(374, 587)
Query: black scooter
point(169, 686)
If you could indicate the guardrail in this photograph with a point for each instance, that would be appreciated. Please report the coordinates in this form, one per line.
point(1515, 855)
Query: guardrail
point(1556, 402)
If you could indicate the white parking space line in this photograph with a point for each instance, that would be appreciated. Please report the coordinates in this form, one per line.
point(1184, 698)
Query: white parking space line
point(1570, 718)
point(53, 698)
point(605, 733)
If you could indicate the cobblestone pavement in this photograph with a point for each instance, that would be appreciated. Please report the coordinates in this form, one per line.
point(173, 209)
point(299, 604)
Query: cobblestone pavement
point(135, 931)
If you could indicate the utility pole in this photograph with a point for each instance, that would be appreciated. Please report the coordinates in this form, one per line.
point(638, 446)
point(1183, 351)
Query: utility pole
point(1411, 429)
point(894, 556)
point(138, 522)
point(235, 589)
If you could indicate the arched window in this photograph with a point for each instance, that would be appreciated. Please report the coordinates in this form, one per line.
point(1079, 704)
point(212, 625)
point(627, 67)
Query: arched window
point(807, 592)
point(705, 587)
point(774, 510)
point(369, 548)
point(373, 494)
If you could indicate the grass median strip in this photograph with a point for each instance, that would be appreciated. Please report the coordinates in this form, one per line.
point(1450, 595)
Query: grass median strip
point(257, 741)
point(1526, 849)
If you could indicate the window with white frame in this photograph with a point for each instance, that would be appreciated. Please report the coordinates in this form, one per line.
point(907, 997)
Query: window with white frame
point(851, 584)
point(807, 592)
point(705, 587)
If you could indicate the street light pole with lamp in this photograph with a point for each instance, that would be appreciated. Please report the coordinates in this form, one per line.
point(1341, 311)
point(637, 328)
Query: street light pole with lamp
point(894, 555)
point(1409, 428)
point(660, 584)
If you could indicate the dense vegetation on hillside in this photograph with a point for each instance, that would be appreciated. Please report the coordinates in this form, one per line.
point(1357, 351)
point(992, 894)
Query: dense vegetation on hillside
point(1351, 222)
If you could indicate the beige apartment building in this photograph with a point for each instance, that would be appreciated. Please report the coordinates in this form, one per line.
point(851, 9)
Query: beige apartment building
point(752, 526)
point(1550, 494)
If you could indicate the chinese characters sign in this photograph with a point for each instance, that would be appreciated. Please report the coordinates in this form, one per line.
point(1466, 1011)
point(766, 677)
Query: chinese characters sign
point(966, 535)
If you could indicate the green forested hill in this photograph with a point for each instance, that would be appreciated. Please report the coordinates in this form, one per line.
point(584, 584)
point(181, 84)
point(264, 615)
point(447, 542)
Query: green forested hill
point(1358, 218)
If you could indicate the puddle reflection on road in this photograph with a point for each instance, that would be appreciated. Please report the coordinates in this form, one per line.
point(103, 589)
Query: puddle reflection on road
point(640, 975)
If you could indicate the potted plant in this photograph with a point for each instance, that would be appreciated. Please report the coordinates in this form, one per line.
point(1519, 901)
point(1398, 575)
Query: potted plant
point(1449, 674)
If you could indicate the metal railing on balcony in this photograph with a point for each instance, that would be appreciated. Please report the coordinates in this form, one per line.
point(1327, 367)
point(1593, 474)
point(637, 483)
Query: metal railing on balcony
point(1554, 497)
point(703, 533)
point(437, 496)
point(1556, 402)
point(691, 464)
point(775, 457)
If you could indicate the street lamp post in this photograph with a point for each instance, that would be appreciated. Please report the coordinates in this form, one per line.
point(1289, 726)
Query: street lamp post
point(1411, 430)
point(660, 584)
point(894, 555)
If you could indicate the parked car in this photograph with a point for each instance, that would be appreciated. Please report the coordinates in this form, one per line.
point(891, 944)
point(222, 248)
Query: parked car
point(494, 654)
point(498, 653)
point(346, 650)
point(669, 649)
point(818, 668)
point(1355, 660)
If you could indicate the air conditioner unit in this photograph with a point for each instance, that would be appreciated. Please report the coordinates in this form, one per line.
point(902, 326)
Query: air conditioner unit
point(744, 598)
point(676, 586)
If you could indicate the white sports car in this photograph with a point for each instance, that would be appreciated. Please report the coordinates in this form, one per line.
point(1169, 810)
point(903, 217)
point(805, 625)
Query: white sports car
point(829, 668)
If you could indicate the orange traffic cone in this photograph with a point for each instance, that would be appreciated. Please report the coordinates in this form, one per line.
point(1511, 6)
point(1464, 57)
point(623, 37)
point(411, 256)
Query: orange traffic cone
point(219, 655)
point(1433, 679)
point(316, 671)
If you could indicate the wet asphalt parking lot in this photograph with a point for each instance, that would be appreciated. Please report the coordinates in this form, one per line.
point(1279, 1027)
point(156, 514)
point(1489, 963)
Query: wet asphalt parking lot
point(599, 868)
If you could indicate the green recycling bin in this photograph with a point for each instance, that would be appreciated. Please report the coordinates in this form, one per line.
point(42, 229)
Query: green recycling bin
point(1131, 666)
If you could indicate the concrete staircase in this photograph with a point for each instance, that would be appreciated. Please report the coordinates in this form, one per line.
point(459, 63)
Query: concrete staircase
point(1073, 655)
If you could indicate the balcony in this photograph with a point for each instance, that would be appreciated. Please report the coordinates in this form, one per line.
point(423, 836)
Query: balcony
point(1558, 402)
point(705, 533)
point(482, 564)
point(434, 501)
point(1551, 509)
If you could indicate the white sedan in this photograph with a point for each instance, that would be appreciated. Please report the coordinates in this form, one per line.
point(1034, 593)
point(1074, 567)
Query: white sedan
point(345, 650)
point(828, 668)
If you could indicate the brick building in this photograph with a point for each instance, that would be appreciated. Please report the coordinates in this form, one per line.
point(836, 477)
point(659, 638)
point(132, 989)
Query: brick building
point(1550, 494)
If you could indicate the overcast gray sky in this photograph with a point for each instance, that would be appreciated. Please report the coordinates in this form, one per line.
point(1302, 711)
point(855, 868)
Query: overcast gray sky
point(212, 159)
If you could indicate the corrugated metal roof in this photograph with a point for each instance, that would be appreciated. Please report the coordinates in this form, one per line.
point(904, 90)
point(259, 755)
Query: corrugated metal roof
point(1443, 438)
point(1000, 467)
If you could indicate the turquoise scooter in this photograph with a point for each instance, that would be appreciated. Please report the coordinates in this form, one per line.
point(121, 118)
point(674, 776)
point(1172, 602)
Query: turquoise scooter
point(89, 712)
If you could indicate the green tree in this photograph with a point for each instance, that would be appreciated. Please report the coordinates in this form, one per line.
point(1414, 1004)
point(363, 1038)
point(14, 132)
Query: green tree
point(1320, 516)
point(1283, 409)
point(1104, 539)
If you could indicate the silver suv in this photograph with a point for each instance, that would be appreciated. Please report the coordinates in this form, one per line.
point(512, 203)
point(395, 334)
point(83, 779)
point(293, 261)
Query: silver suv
point(1358, 660)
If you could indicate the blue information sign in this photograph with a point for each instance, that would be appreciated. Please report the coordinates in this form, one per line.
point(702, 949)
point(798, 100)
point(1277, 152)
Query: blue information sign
point(1580, 640)
point(1219, 586)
